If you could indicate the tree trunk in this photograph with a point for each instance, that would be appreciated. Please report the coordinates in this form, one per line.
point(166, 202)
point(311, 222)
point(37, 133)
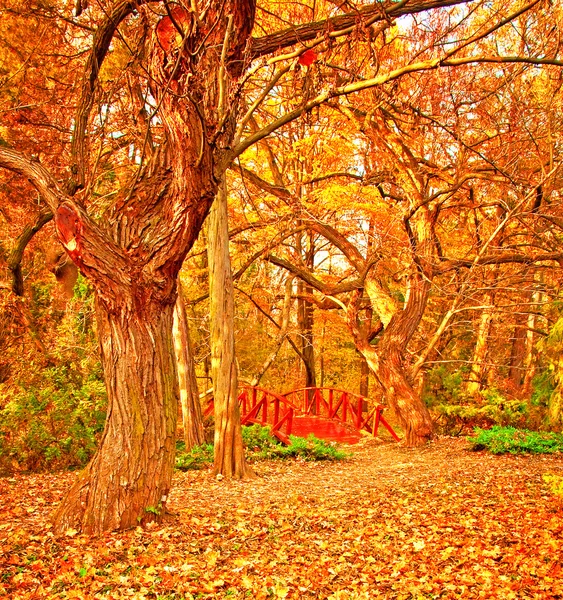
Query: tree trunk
point(192, 419)
point(387, 361)
point(477, 373)
point(128, 480)
point(364, 376)
point(229, 459)
point(392, 372)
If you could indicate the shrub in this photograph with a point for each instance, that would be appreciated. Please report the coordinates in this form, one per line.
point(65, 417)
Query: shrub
point(195, 459)
point(260, 445)
point(312, 448)
point(56, 425)
point(495, 409)
point(52, 407)
point(499, 440)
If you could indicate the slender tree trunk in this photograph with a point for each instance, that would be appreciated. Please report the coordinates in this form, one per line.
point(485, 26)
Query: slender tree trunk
point(477, 372)
point(531, 337)
point(517, 351)
point(128, 480)
point(229, 450)
point(192, 419)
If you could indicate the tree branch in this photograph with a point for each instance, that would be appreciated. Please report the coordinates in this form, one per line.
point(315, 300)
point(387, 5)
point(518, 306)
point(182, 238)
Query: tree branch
point(16, 255)
point(342, 24)
point(357, 86)
point(36, 173)
point(313, 281)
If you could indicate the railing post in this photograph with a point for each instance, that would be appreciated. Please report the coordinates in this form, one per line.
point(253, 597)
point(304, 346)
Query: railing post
point(330, 402)
point(264, 408)
point(243, 400)
point(359, 413)
point(376, 420)
point(344, 407)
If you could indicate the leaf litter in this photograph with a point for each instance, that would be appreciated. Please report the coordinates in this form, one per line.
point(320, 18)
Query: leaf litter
point(389, 522)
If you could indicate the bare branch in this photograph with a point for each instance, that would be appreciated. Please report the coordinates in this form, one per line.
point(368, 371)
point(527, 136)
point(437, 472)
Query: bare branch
point(36, 173)
point(342, 24)
point(16, 255)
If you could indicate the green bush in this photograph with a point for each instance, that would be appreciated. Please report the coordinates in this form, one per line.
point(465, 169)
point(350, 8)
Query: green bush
point(494, 409)
point(56, 425)
point(260, 445)
point(312, 448)
point(52, 407)
point(195, 458)
point(499, 440)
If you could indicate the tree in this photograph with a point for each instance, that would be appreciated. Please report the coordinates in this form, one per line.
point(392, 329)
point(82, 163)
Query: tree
point(229, 457)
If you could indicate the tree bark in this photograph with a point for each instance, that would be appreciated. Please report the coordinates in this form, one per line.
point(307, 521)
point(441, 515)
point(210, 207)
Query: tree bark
point(388, 364)
point(128, 480)
point(192, 419)
point(229, 459)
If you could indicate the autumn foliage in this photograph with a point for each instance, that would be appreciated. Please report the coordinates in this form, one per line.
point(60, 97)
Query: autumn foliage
point(385, 188)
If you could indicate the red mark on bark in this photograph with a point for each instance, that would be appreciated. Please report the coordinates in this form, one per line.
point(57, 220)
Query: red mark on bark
point(167, 29)
point(69, 228)
point(308, 58)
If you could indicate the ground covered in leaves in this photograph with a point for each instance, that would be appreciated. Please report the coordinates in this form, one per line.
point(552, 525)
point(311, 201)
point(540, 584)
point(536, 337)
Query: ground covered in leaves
point(437, 522)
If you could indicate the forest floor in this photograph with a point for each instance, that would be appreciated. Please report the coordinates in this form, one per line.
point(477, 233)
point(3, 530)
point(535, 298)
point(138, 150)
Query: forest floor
point(389, 522)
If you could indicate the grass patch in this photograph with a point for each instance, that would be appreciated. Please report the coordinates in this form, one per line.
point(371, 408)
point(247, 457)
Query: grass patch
point(501, 440)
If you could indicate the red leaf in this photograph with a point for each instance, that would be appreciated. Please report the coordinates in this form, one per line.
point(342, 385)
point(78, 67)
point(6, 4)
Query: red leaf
point(167, 32)
point(308, 58)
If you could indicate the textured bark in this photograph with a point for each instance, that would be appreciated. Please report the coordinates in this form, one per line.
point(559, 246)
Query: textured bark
point(517, 352)
point(229, 459)
point(192, 419)
point(305, 316)
point(388, 365)
point(531, 338)
point(364, 376)
point(128, 480)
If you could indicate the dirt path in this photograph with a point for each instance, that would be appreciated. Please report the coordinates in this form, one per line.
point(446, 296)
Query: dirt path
point(439, 522)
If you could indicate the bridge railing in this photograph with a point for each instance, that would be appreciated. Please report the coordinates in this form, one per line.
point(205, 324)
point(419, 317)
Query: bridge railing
point(258, 405)
point(339, 404)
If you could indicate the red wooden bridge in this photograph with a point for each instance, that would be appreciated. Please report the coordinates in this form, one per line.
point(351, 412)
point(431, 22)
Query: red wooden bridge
point(328, 413)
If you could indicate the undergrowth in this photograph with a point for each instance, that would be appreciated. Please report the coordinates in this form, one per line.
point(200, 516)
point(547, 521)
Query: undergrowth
point(500, 440)
point(261, 445)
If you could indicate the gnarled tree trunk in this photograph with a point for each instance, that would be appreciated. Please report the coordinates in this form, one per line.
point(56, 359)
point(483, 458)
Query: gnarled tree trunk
point(128, 480)
point(387, 362)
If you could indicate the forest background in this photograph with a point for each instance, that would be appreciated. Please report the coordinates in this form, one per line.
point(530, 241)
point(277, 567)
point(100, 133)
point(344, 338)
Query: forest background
point(394, 191)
